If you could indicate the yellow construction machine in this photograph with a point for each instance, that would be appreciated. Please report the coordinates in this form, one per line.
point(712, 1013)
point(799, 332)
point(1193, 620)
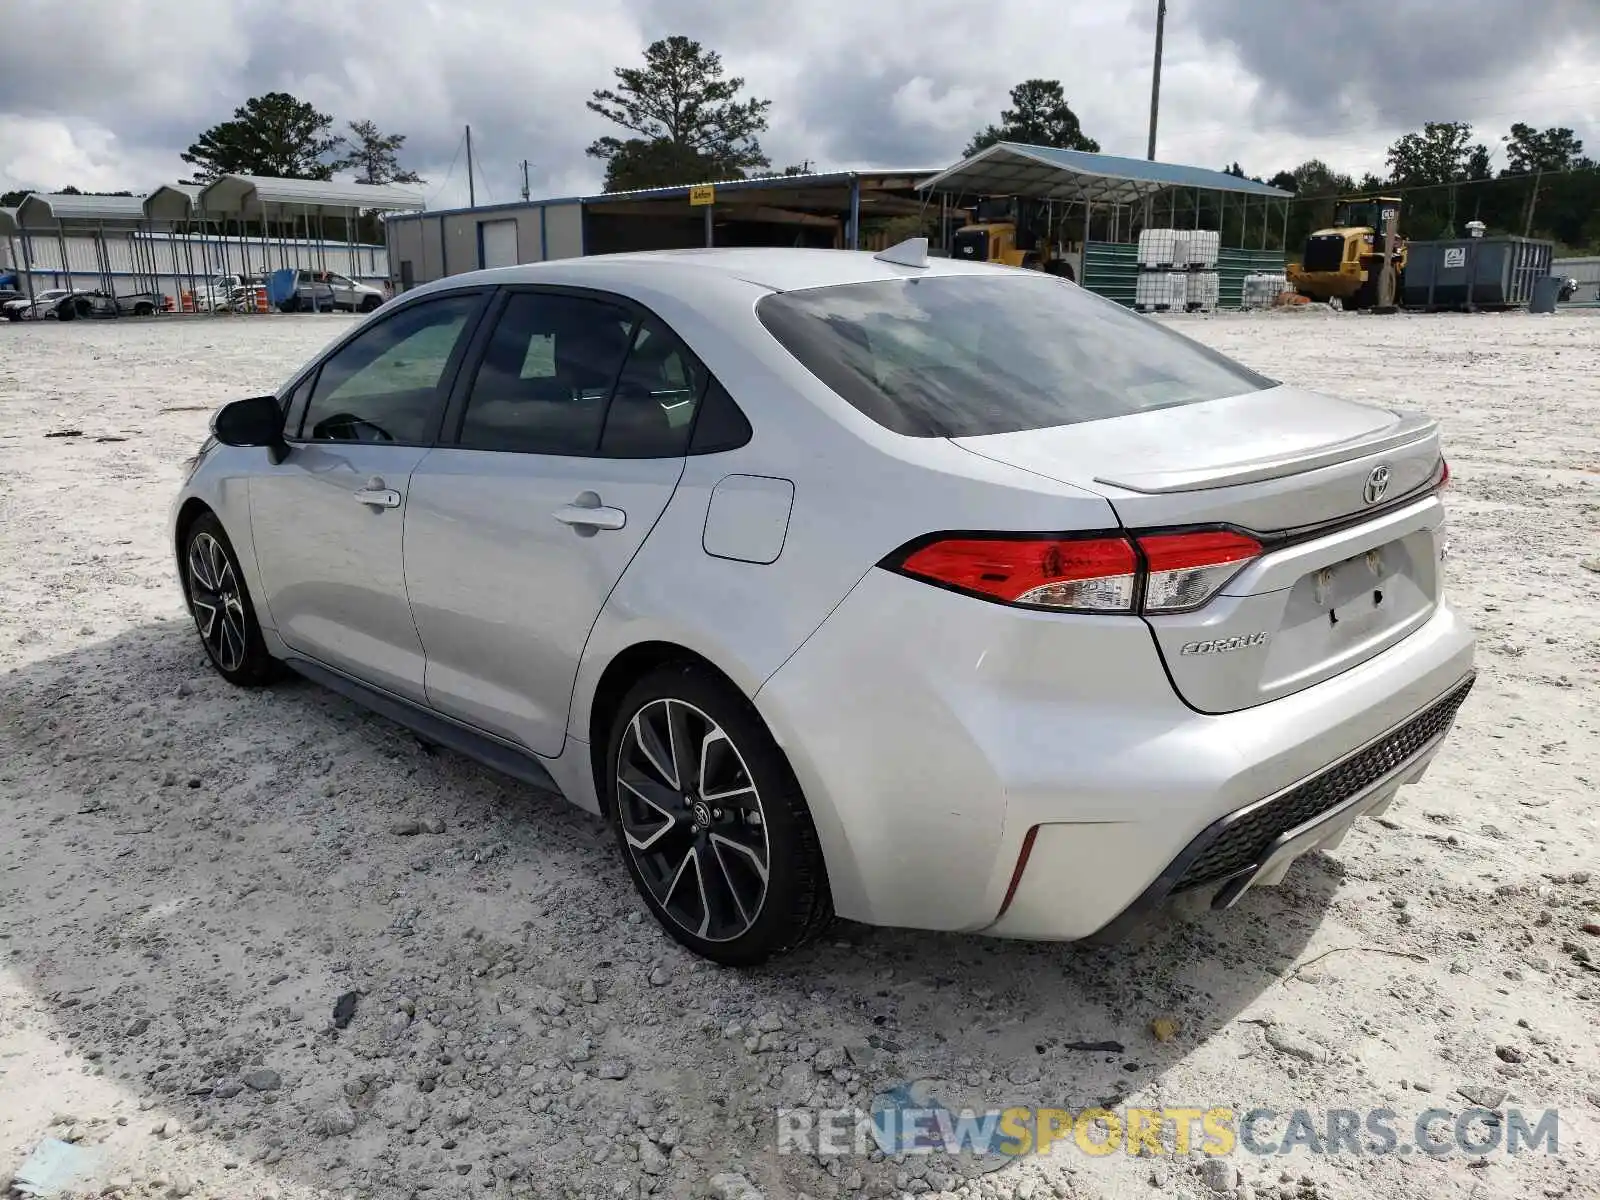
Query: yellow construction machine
point(996, 235)
point(1359, 259)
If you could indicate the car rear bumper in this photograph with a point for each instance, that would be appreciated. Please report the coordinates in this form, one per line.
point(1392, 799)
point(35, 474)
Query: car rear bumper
point(937, 737)
point(1256, 844)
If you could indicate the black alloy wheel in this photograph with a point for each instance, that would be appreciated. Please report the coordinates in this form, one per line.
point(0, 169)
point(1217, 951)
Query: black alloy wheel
point(714, 830)
point(220, 605)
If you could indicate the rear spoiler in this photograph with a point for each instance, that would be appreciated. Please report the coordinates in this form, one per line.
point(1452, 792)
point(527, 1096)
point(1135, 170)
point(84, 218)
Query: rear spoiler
point(1408, 430)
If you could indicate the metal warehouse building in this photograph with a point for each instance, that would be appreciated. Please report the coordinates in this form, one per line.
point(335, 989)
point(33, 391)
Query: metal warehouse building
point(1096, 205)
point(823, 210)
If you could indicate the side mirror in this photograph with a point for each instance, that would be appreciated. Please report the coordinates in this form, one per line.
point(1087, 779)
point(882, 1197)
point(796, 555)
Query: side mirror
point(257, 421)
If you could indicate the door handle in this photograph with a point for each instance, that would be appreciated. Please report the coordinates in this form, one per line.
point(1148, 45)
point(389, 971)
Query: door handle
point(377, 495)
point(586, 514)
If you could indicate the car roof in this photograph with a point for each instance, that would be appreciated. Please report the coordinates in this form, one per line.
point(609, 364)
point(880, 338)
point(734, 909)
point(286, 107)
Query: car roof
point(779, 270)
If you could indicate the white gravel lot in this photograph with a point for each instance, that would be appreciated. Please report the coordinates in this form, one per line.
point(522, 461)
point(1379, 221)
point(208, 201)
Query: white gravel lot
point(191, 875)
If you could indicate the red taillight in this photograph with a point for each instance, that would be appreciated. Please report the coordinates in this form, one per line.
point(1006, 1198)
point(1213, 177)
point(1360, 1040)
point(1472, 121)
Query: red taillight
point(1179, 571)
point(1186, 569)
point(1097, 574)
point(1444, 473)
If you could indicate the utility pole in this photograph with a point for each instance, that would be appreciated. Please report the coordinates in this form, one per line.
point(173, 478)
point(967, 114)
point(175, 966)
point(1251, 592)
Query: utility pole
point(527, 192)
point(472, 189)
point(1533, 199)
point(1155, 77)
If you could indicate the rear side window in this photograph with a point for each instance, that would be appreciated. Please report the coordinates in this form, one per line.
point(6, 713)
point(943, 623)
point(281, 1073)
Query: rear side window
point(965, 355)
point(652, 412)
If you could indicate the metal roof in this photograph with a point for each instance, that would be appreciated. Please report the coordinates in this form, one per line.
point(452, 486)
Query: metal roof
point(250, 195)
point(878, 176)
point(42, 209)
point(1045, 172)
point(172, 201)
point(8, 222)
point(912, 177)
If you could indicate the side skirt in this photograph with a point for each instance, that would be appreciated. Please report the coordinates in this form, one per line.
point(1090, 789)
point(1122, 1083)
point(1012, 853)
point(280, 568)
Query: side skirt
point(491, 752)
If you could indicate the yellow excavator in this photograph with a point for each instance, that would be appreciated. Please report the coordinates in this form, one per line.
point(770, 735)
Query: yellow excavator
point(1359, 259)
point(996, 236)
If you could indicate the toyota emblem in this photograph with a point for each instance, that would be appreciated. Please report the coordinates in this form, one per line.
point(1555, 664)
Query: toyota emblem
point(1377, 485)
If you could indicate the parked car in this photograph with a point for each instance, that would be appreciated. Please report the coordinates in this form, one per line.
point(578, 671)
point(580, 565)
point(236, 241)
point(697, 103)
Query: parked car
point(8, 294)
point(42, 305)
point(329, 291)
point(97, 303)
point(925, 592)
point(223, 293)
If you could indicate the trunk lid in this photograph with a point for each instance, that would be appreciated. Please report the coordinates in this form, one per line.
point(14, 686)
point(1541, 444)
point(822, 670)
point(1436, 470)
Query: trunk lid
point(1300, 471)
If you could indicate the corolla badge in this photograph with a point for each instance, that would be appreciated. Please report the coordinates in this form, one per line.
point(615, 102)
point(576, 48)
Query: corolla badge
point(1244, 641)
point(1377, 485)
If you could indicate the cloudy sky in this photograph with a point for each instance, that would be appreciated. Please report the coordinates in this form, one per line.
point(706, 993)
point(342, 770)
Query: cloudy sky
point(105, 94)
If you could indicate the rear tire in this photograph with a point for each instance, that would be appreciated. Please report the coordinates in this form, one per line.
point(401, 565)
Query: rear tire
point(218, 600)
point(144, 309)
point(66, 311)
point(711, 821)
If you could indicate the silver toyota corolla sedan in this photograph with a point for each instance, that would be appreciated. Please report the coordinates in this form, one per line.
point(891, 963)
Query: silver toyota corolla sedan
point(922, 592)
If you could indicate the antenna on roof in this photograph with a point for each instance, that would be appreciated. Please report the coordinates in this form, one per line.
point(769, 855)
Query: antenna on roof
point(913, 252)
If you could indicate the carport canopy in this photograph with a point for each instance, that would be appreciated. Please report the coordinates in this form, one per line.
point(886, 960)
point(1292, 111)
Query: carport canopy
point(172, 202)
point(56, 210)
point(1049, 173)
point(255, 196)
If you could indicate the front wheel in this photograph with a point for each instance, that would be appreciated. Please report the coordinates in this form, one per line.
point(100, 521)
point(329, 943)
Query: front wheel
point(370, 304)
point(711, 822)
point(220, 605)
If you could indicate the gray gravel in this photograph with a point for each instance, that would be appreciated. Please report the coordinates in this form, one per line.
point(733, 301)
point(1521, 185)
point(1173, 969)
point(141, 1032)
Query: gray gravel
point(192, 876)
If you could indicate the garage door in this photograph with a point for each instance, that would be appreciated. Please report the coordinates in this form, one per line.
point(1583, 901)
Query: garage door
point(499, 243)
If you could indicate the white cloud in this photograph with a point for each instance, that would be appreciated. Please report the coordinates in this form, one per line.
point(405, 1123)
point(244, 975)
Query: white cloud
point(107, 95)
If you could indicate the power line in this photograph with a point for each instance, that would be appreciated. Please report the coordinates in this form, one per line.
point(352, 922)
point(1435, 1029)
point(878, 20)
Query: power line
point(1525, 178)
point(433, 195)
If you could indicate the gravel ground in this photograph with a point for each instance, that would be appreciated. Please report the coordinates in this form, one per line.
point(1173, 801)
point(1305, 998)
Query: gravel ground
point(192, 876)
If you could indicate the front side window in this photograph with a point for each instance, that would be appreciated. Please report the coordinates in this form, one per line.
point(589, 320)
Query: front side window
point(966, 355)
point(384, 385)
point(547, 375)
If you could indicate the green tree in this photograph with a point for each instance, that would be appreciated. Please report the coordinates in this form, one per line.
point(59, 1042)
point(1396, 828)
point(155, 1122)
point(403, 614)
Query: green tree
point(1529, 150)
point(691, 123)
point(637, 163)
point(1039, 116)
point(1316, 185)
point(374, 155)
point(1441, 153)
point(274, 134)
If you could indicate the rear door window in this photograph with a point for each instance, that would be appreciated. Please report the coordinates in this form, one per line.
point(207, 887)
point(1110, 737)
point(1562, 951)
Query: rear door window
point(547, 375)
point(966, 355)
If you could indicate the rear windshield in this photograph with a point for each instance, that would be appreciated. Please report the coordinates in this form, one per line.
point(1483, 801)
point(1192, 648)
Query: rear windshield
point(964, 355)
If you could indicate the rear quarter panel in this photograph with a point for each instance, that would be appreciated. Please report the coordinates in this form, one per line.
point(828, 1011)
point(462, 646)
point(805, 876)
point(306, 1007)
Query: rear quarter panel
point(859, 493)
